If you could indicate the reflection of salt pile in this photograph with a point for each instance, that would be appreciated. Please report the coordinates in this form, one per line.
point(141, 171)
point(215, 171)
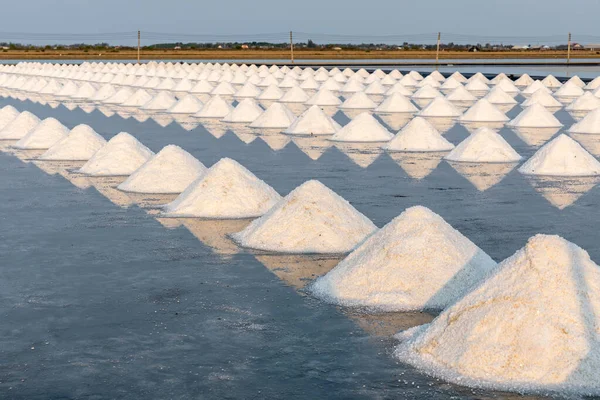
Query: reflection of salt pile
point(417, 261)
point(483, 111)
point(561, 157)
point(216, 107)
point(80, 145)
point(535, 116)
point(19, 126)
point(396, 103)
point(297, 270)
point(530, 327)
point(483, 175)
point(189, 104)
point(247, 110)
point(226, 191)
point(276, 116)
point(215, 233)
point(590, 124)
point(484, 145)
point(43, 136)
point(363, 128)
point(313, 122)
point(121, 156)
point(311, 219)
point(419, 135)
point(7, 115)
point(440, 107)
point(417, 165)
point(170, 171)
point(561, 191)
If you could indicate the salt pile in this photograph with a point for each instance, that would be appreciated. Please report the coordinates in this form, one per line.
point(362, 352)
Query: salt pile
point(162, 101)
point(216, 107)
point(524, 80)
point(358, 100)
point(295, 95)
point(569, 90)
point(427, 92)
point(396, 103)
point(477, 86)
point(483, 111)
point(248, 90)
point(223, 89)
point(499, 96)
point(189, 104)
point(313, 121)
point(460, 94)
point(121, 156)
point(43, 136)
point(226, 191)
point(120, 96)
point(577, 81)
point(484, 146)
point(551, 82)
point(535, 86)
point(310, 219)
point(105, 92)
point(507, 86)
point(450, 84)
point(138, 99)
point(275, 117)
point(247, 110)
point(202, 87)
point(399, 88)
point(531, 326)
point(85, 91)
point(324, 97)
point(594, 84)
point(363, 128)
point(69, 89)
point(440, 107)
point(419, 135)
point(171, 170)
point(80, 145)
point(271, 93)
point(19, 126)
point(543, 98)
point(590, 124)
point(7, 115)
point(561, 157)
point(587, 102)
point(415, 262)
point(535, 116)
point(458, 76)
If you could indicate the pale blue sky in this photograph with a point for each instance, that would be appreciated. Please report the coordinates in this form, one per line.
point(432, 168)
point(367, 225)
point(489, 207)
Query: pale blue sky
point(372, 17)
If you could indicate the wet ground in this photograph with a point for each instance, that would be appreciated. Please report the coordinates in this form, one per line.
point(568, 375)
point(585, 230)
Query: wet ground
point(100, 299)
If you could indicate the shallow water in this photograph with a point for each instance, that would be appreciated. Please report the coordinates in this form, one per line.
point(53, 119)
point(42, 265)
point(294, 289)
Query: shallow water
point(100, 299)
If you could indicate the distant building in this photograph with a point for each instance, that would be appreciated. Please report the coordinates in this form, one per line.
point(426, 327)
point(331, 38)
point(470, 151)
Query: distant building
point(474, 49)
point(593, 46)
point(337, 48)
point(577, 46)
point(177, 48)
point(245, 46)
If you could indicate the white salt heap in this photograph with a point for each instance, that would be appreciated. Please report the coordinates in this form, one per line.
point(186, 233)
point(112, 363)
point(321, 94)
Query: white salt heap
point(461, 94)
point(396, 103)
point(121, 156)
point(216, 107)
point(275, 117)
point(162, 101)
point(569, 90)
point(120, 96)
point(247, 110)
point(138, 99)
point(484, 146)
point(440, 107)
point(419, 135)
point(587, 102)
point(295, 95)
point(313, 121)
point(524, 80)
point(427, 92)
point(105, 92)
point(310, 219)
point(363, 128)
point(543, 98)
point(80, 145)
point(43, 136)
point(271, 93)
point(189, 104)
point(483, 111)
point(19, 126)
point(226, 191)
point(415, 262)
point(507, 86)
point(324, 97)
point(171, 170)
point(590, 124)
point(561, 157)
point(535, 116)
point(535, 86)
point(248, 90)
point(359, 100)
point(551, 82)
point(7, 115)
point(530, 327)
point(85, 91)
point(499, 96)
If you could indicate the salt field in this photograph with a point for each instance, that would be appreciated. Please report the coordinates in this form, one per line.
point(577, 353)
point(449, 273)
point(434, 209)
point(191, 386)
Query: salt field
point(225, 231)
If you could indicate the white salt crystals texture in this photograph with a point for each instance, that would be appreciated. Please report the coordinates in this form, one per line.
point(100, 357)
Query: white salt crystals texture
point(590, 124)
point(121, 156)
point(7, 115)
point(363, 128)
point(562, 156)
point(484, 145)
point(313, 121)
point(275, 116)
point(80, 145)
point(535, 116)
point(483, 111)
point(227, 190)
point(310, 219)
point(415, 262)
point(419, 136)
point(43, 136)
point(18, 127)
point(171, 170)
point(247, 110)
point(532, 326)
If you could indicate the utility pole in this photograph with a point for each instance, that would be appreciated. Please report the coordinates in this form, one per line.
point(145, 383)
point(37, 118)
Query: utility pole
point(437, 51)
point(569, 50)
point(139, 41)
point(291, 47)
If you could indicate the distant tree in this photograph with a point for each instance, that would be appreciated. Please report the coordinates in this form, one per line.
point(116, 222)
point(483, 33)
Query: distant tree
point(310, 44)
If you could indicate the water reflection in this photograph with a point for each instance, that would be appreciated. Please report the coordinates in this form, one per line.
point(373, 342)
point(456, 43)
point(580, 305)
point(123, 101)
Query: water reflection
point(535, 137)
point(362, 154)
point(25, 155)
point(215, 233)
point(298, 270)
point(417, 165)
point(562, 192)
point(214, 127)
point(107, 187)
point(151, 200)
point(313, 146)
point(483, 175)
point(273, 138)
point(590, 142)
point(471, 127)
point(388, 324)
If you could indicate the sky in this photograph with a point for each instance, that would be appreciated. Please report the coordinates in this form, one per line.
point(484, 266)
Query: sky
point(483, 18)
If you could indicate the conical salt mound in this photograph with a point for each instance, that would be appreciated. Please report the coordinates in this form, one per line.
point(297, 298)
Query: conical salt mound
point(121, 156)
point(396, 103)
point(543, 98)
point(271, 93)
point(363, 128)
point(561, 157)
point(483, 111)
point(80, 145)
point(551, 82)
point(534, 87)
point(247, 110)
point(476, 86)
point(171, 170)
point(587, 102)
point(507, 86)
point(359, 100)
point(202, 87)
point(189, 104)
point(120, 96)
point(590, 124)
point(313, 121)
point(415, 262)
point(499, 96)
point(216, 107)
point(7, 115)
point(324, 97)
point(524, 80)
point(162, 101)
point(85, 91)
point(105, 92)
point(484, 146)
point(440, 107)
point(419, 135)
point(577, 81)
point(43, 136)
point(535, 116)
point(530, 327)
point(226, 191)
point(138, 99)
point(19, 126)
point(311, 219)
point(450, 84)
point(275, 117)
point(248, 90)
point(594, 84)
point(460, 94)
point(295, 95)
point(427, 92)
point(569, 90)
